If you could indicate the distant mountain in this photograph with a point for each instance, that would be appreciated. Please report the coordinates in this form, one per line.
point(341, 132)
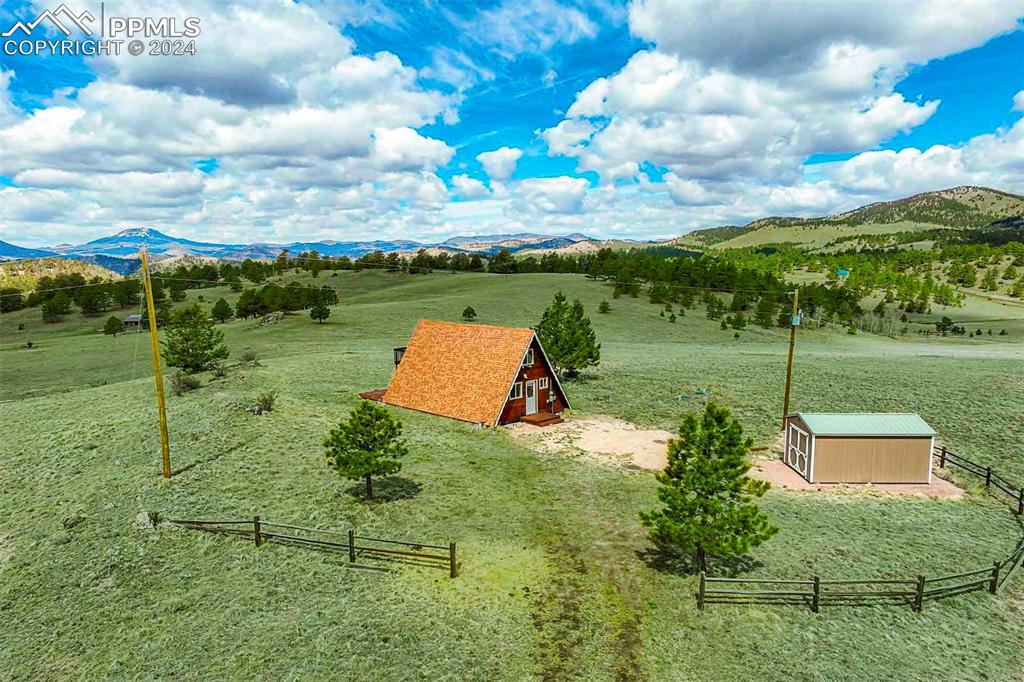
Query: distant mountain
point(955, 208)
point(119, 252)
point(12, 252)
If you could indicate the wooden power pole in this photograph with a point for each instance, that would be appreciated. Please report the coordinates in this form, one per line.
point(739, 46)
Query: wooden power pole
point(794, 322)
point(154, 343)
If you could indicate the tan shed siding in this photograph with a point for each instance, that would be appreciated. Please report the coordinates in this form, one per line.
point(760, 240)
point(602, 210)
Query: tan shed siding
point(871, 460)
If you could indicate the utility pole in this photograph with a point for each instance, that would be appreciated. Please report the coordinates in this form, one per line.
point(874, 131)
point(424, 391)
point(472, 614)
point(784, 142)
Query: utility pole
point(154, 343)
point(794, 322)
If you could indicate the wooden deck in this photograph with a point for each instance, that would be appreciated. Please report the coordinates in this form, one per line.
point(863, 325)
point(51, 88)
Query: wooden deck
point(376, 396)
point(542, 419)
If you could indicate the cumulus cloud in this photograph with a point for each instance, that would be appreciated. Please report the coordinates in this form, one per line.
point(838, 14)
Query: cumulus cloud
point(1018, 101)
point(500, 163)
point(563, 194)
point(469, 188)
point(293, 117)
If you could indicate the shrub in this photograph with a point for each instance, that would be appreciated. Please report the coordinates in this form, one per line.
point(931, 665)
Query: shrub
point(182, 383)
point(219, 370)
point(263, 403)
point(249, 355)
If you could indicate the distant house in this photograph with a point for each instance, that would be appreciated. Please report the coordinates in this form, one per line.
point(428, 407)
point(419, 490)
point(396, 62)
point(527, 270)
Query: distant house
point(133, 320)
point(859, 448)
point(476, 373)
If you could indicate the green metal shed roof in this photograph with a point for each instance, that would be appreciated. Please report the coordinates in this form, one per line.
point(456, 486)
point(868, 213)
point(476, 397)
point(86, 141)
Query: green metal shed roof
point(866, 424)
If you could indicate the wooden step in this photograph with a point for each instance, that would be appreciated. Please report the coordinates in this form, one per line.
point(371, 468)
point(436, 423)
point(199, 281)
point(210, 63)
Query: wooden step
point(542, 419)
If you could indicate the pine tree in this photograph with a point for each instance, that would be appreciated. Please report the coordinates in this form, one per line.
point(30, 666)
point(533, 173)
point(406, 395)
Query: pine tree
point(764, 313)
point(367, 444)
point(222, 311)
point(567, 336)
point(113, 326)
point(988, 283)
point(192, 342)
point(708, 497)
point(319, 312)
point(468, 314)
point(604, 308)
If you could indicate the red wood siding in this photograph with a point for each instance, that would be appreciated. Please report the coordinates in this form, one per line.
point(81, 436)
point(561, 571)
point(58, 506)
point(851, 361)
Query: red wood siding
point(516, 409)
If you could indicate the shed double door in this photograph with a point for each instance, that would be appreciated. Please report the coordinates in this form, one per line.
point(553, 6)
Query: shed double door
point(798, 450)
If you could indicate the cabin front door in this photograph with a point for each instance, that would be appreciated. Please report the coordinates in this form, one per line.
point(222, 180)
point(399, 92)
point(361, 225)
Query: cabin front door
point(531, 397)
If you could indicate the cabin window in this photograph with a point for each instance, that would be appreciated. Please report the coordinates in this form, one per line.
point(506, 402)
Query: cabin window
point(529, 358)
point(517, 391)
point(543, 382)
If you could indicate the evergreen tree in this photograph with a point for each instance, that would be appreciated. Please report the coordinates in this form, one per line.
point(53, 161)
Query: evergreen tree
point(567, 336)
point(367, 444)
point(320, 312)
point(502, 262)
point(11, 299)
point(604, 308)
point(468, 314)
point(764, 313)
point(738, 321)
point(113, 326)
point(222, 311)
point(988, 282)
point(708, 497)
point(193, 343)
point(51, 311)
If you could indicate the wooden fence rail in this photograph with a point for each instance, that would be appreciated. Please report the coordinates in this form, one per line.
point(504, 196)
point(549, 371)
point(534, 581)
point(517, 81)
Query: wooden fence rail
point(816, 591)
point(356, 546)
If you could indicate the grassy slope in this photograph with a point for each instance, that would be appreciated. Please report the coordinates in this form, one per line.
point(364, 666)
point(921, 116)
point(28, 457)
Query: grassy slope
point(554, 579)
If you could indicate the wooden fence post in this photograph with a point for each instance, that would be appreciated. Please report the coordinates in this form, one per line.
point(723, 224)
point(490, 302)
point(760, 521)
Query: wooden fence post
point(700, 593)
point(942, 457)
point(352, 546)
point(1020, 503)
point(994, 583)
point(988, 476)
point(919, 596)
point(256, 530)
point(451, 560)
point(817, 594)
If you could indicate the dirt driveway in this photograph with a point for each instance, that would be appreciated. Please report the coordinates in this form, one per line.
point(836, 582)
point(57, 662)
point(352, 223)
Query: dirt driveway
point(600, 438)
point(614, 441)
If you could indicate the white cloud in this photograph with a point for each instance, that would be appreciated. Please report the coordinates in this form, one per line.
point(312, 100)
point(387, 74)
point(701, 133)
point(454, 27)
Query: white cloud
point(469, 188)
point(1018, 101)
point(406, 149)
point(500, 163)
point(561, 194)
point(791, 39)
point(527, 26)
point(711, 123)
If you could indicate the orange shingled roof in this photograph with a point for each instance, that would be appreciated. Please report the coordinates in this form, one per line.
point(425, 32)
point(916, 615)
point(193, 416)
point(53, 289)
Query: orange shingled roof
point(458, 370)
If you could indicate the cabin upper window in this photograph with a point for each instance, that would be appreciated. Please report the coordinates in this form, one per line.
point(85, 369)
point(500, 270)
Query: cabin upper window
point(529, 358)
point(543, 382)
point(516, 392)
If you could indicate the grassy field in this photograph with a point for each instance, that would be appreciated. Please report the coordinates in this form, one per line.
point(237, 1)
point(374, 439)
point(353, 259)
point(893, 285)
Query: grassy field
point(557, 577)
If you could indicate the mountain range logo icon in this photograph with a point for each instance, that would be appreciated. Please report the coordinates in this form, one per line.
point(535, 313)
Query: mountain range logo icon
point(79, 20)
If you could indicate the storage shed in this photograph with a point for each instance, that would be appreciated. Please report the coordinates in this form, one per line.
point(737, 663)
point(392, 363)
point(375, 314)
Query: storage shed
point(859, 448)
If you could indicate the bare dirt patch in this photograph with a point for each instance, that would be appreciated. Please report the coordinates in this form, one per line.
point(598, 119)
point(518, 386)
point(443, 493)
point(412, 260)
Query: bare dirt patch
point(779, 475)
point(605, 439)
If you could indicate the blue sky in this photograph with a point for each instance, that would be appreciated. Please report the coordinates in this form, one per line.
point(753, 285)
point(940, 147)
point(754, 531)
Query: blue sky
point(422, 120)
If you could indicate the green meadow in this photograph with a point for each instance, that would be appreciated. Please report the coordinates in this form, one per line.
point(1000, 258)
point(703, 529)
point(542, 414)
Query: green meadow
point(557, 579)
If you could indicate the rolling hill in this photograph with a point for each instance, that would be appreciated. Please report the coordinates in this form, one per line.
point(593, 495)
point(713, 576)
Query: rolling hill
point(955, 208)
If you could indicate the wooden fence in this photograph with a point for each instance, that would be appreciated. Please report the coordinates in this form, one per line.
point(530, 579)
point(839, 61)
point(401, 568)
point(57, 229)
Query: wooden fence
point(914, 592)
point(356, 546)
